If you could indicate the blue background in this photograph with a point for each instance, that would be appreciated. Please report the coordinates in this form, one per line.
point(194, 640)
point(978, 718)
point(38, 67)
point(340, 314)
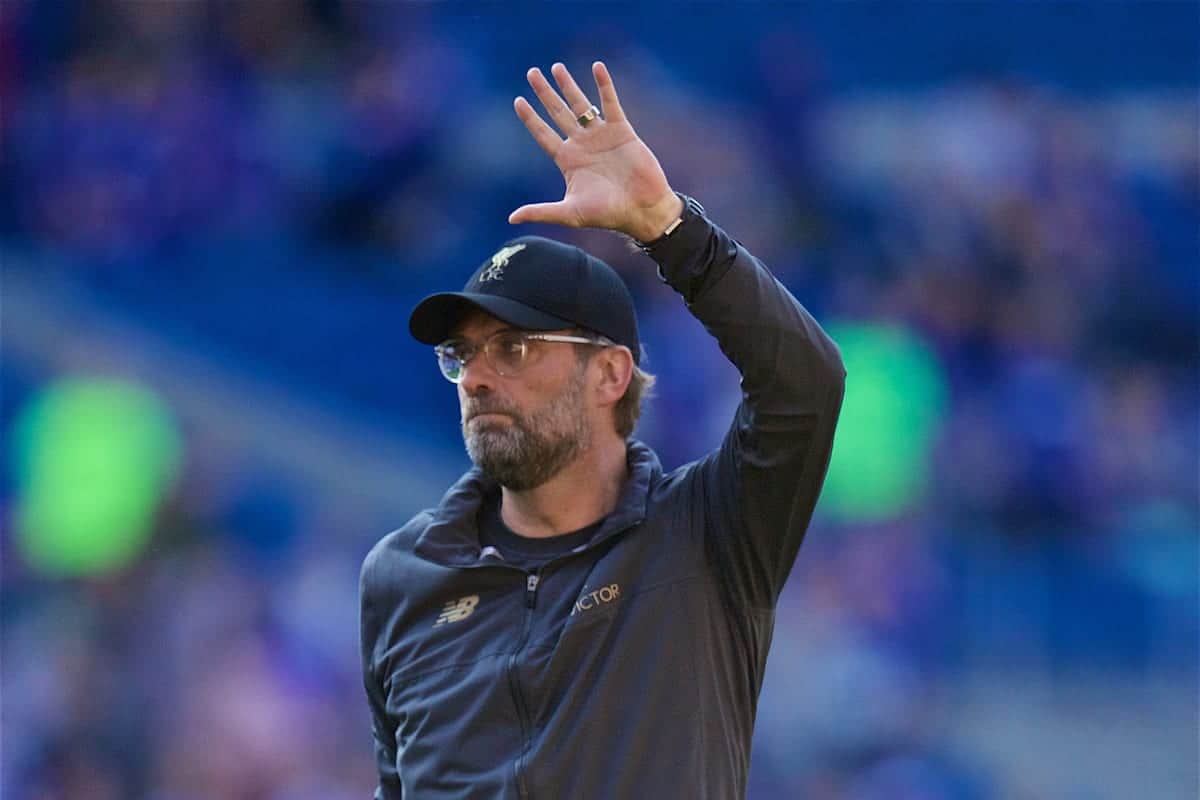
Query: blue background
point(235, 205)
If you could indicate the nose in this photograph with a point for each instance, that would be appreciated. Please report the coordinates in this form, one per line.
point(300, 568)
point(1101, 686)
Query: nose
point(477, 375)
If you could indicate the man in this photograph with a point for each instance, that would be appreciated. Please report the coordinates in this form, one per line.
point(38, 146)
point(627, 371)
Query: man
point(570, 622)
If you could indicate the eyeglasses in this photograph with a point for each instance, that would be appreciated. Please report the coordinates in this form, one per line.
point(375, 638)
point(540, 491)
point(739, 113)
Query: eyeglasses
point(506, 352)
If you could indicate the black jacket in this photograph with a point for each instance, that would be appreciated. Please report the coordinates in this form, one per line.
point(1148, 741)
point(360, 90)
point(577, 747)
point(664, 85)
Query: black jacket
point(632, 668)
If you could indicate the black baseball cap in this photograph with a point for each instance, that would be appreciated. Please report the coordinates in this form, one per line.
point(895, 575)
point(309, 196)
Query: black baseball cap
point(536, 284)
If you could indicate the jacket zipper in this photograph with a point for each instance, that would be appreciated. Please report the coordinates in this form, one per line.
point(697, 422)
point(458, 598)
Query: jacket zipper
point(531, 586)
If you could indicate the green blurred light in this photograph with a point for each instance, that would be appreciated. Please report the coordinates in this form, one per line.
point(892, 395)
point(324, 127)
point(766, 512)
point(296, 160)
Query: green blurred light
point(94, 458)
point(895, 395)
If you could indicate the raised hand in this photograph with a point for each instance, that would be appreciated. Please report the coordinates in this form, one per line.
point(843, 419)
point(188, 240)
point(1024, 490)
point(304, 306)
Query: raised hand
point(613, 179)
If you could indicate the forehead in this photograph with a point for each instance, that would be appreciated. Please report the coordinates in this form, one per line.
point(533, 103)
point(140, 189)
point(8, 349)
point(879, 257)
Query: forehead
point(477, 323)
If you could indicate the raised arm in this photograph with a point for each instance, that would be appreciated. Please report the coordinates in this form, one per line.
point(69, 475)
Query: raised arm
point(760, 487)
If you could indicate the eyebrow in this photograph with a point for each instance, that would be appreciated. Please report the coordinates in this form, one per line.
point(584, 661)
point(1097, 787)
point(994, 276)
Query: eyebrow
point(461, 337)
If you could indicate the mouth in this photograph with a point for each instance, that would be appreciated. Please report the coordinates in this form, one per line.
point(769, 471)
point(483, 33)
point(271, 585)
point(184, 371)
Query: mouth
point(486, 415)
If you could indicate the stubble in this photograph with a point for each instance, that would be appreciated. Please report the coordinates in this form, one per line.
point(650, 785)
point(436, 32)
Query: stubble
point(527, 451)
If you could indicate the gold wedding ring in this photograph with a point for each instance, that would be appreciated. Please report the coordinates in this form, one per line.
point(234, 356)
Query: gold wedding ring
point(589, 115)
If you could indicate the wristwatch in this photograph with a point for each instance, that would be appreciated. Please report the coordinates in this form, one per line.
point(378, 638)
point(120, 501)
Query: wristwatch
point(691, 208)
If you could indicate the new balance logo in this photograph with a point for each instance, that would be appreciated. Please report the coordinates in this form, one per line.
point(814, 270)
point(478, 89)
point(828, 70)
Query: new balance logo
point(495, 272)
point(457, 610)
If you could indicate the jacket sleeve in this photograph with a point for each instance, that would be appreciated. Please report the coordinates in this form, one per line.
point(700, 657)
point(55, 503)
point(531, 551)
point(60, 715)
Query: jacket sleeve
point(759, 488)
point(383, 730)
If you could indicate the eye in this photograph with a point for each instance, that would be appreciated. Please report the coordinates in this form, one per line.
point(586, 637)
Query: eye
point(509, 343)
point(507, 349)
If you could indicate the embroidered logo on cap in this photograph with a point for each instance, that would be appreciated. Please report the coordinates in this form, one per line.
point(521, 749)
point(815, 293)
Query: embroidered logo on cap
point(495, 272)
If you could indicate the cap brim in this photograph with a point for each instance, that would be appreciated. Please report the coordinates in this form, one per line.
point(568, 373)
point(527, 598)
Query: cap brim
point(435, 317)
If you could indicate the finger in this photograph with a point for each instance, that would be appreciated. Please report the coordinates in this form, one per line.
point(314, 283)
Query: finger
point(576, 99)
point(556, 213)
point(542, 133)
point(554, 105)
point(609, 103)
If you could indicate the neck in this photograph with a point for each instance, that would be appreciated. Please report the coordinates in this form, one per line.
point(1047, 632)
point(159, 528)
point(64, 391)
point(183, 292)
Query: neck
point(582, 493)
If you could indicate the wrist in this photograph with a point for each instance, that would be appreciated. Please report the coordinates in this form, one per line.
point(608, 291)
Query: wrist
point(676, 230)
point(661, 216)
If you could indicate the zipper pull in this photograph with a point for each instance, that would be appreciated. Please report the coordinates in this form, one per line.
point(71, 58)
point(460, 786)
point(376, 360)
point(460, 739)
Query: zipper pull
point(531, 584)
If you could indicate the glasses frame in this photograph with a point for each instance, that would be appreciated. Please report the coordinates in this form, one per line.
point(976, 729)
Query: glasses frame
point(472, 350)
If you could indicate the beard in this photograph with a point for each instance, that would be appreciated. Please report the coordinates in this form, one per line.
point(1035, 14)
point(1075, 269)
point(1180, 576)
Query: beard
point(528, 450)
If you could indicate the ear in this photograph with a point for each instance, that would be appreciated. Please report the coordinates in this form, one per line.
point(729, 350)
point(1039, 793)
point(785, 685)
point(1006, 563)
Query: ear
point(612, 368)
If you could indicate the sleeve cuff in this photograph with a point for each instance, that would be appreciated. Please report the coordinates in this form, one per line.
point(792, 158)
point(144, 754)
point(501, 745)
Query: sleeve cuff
point(676, 253)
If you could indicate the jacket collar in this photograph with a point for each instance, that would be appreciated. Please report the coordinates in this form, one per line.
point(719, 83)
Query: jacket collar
point(452, 538)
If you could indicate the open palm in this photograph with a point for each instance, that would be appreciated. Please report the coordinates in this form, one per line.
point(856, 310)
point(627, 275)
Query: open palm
point(612, 178)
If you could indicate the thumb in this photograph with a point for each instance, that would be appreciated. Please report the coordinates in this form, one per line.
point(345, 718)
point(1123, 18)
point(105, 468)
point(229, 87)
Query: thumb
point(555, 213)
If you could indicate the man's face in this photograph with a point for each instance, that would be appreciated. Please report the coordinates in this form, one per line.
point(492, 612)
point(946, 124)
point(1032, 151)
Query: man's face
point(523, 429)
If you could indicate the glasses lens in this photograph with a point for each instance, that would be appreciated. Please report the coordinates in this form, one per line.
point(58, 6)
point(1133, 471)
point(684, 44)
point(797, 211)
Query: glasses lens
point(450, 362)
point(506, 352)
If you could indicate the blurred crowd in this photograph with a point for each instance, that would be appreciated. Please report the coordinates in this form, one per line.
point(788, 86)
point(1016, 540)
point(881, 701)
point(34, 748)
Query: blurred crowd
point(189, 165)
